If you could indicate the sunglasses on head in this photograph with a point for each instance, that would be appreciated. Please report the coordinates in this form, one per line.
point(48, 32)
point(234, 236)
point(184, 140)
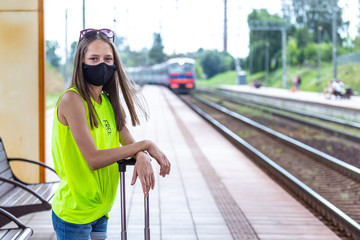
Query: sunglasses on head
point(90, 32)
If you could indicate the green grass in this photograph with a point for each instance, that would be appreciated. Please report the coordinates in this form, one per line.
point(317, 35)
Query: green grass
point(227, 78)
point(348, 73)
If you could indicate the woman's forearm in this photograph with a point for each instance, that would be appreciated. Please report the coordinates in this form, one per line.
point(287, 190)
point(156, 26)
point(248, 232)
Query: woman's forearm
point(103, 158)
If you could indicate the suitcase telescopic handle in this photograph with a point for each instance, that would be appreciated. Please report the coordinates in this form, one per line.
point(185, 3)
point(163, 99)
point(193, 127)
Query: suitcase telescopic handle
point(125, 162)
point(122, 169)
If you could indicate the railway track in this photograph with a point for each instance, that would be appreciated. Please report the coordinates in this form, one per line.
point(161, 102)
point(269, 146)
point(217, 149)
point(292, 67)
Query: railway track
point(342, 127)
point(334, 138)
point(330, 186)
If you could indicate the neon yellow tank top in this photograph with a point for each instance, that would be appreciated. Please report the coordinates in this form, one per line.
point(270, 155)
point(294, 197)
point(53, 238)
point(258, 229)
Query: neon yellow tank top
point(84, 195)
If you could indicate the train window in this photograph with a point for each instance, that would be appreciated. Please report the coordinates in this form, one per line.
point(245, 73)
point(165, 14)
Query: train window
point(176, 68)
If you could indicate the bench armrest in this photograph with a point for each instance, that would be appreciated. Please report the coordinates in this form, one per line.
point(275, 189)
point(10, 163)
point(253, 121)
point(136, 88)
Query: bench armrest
point(25, 233)
point(12, 218)
point(18, 184)
point(32, 161)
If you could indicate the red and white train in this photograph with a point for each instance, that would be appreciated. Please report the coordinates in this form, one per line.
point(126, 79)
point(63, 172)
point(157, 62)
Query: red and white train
point(177, 73)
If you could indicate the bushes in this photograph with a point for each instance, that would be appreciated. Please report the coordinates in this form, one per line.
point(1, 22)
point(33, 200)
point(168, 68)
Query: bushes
point(214, 62)
point(311, 53)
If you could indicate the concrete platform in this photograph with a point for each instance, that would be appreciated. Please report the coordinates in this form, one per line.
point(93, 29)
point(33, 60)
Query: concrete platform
point(311, 102)
point(305, 96)
point(187, 204)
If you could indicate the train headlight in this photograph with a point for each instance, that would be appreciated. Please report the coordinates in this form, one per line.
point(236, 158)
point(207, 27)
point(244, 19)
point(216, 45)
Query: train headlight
point(173, 86)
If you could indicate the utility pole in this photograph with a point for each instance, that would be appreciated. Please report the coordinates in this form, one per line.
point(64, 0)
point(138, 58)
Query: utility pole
point(260, 25)
point(267, 45)
point(319, 58)
point(334, 38)
point(83, 14)
point(225, 25)
point(283, 53)
point(331, 7)
point(251, 61)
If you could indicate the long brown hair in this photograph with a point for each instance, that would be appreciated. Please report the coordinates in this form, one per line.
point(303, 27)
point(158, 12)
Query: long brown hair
point(111, 88)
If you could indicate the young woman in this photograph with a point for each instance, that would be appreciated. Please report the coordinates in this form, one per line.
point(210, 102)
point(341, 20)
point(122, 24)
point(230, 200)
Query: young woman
point(90, 135)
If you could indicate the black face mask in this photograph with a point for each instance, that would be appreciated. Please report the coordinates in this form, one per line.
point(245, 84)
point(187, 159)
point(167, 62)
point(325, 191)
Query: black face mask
point(99, 74)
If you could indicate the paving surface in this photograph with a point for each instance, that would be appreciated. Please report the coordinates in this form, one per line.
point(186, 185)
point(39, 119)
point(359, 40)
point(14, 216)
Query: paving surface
point(183, 205)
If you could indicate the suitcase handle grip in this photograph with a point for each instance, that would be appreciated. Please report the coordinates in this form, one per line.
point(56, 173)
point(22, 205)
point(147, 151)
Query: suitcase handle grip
point(124, 162)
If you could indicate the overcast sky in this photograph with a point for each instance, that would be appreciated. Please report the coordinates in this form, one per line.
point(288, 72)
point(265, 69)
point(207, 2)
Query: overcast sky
point(185, 25)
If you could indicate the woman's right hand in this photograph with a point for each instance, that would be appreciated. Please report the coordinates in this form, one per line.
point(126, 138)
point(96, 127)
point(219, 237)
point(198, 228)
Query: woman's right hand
point(161, 159)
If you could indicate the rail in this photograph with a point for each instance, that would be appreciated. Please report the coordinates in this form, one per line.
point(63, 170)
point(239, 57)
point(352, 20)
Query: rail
point(329, 210)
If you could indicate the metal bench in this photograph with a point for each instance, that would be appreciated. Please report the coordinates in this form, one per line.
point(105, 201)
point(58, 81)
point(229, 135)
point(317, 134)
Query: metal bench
point(17, 232)
point(18, 197)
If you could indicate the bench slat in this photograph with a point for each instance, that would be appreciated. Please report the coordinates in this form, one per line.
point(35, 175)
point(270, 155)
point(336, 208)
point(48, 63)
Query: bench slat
point(9, 234)
point(2, 153)
point(11, 198)
point(4, 164)
point(7, 174)
point(19, 197)
point(3, 232)
point(46, 190)
point(2, 149)
point(5, 187)
point(17, 200)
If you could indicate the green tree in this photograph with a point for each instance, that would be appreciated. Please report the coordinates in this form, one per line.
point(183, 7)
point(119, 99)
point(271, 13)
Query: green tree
point(357, 43)
point(156, 53)
point(198, 70)
point(51, 56)
point(72, 52)
point(214, 62)
point(294, 51)
point(311, 53)
point(326, 51)
point(68, 70)
point(303, 38)
point(315, 13)
point(135, 58)
point(260, 38)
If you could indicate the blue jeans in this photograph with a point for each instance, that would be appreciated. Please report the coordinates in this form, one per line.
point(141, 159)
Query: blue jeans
point(71, 231)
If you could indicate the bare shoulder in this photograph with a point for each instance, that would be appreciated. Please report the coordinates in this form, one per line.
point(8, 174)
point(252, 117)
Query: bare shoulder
point(71, 99)
point(70, 105)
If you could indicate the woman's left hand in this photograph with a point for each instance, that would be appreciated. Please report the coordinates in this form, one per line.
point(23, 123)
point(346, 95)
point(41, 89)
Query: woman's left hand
point(144, 171)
